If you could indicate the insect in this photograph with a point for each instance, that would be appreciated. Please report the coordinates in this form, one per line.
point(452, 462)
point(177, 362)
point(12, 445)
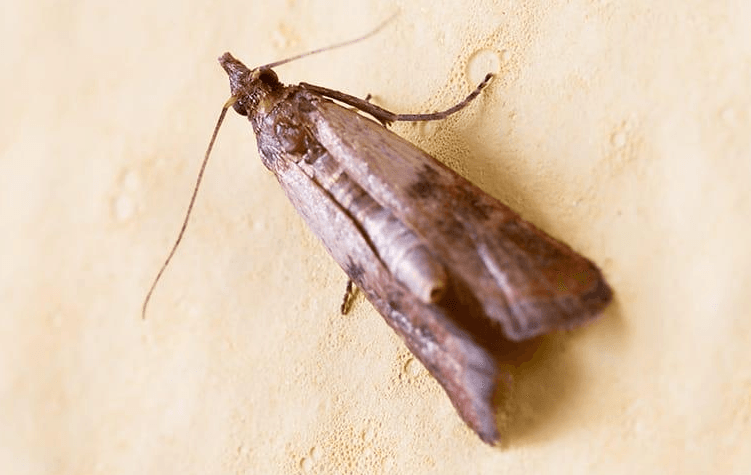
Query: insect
point(456, 273)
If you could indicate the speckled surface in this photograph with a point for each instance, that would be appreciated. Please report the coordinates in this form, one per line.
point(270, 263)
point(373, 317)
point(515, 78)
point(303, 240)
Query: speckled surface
point(624, 130)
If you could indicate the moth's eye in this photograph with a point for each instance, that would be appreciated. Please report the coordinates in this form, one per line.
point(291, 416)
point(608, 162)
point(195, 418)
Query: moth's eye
point(239, 108)
point(268, 76)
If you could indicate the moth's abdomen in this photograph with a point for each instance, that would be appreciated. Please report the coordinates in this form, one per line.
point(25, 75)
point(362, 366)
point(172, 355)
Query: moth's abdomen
point(400, 249)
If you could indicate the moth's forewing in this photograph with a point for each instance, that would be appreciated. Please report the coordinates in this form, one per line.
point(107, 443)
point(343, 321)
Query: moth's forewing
point(523, 279)
point(465, 369)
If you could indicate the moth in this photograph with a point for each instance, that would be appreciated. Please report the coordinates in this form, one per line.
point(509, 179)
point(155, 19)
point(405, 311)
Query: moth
point(456, 273)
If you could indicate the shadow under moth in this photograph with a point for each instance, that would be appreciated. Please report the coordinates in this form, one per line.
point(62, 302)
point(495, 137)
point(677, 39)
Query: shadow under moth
point(452, 270)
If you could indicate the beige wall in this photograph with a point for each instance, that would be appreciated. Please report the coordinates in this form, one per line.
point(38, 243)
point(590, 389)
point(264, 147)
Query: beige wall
point(622, 128)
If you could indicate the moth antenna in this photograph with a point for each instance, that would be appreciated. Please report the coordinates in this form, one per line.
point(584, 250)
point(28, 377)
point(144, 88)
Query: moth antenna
point(334, 46)
point(226, 106)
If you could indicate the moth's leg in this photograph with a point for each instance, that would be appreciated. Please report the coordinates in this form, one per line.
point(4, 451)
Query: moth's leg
point(367, 99)
point(349, 295)
point(387, 117)
point(379, 113)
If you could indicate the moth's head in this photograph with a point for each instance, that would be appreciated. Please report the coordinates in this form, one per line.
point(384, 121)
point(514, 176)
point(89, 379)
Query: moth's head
point(249, 86)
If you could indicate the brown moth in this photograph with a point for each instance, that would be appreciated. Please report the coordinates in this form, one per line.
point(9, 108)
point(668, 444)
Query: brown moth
point(456, 273)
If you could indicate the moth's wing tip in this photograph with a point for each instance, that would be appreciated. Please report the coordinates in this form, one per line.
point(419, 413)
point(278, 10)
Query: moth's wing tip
point(475, 396)
point(600, 296)
point(560, 297)
point(491, 438)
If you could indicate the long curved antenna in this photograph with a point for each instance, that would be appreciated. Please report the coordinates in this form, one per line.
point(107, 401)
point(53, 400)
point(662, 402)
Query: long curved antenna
point(226, 106)
point(334, 46)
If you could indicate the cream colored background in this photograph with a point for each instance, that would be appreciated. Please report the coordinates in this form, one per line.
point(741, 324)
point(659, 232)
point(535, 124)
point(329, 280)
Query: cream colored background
point(622, 128)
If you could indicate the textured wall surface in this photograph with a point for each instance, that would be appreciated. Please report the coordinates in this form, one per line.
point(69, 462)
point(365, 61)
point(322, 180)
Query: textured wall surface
point(621, 128)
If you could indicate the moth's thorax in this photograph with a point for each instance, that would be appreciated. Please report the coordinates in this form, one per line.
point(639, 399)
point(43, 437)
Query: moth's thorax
point(284, 134)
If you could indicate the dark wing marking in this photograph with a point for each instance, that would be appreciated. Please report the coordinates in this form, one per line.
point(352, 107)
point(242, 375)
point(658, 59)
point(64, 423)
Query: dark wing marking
point(524, 280)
